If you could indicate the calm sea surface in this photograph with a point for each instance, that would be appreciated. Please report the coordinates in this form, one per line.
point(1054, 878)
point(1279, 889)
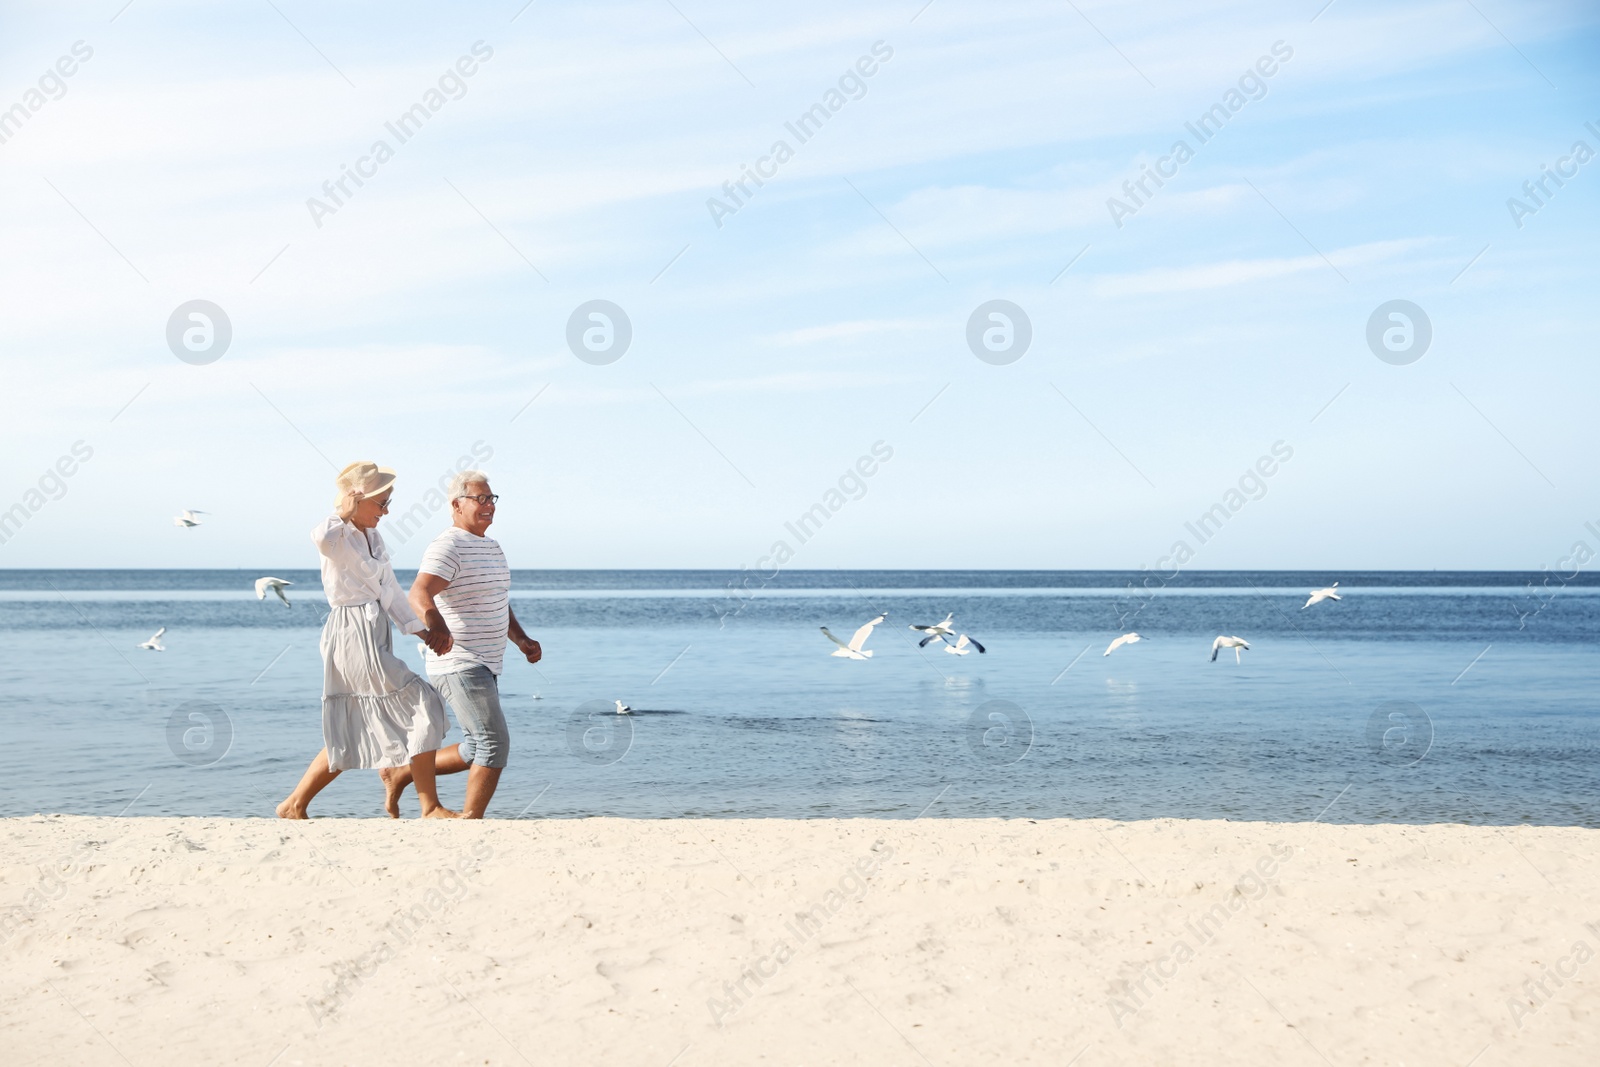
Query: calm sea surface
point(1420, 697)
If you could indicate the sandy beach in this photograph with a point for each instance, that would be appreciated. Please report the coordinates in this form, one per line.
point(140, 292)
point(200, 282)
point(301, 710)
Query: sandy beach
point(831, 941)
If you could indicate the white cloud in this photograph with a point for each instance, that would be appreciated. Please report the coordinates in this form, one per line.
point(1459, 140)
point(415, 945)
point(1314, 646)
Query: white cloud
point(840, 331)
point(1237, 271)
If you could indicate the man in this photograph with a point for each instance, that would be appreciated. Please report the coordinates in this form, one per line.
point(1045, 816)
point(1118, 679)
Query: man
point(463, 589)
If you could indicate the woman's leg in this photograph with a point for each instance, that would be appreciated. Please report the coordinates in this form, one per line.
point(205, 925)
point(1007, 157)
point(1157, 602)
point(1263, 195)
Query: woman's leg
point(427, 792)
point(446, 760)
point(314, 781)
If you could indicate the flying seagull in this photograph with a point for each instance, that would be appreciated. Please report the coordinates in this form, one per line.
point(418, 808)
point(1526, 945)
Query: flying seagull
point(275, 585)
point(937, 630)
point(1235, 643)
point(623, 709)
point(187, 520)
point(960, 647)
point(1125, 639)
point(1319, 595)
point(154, 644)
point(854, 650)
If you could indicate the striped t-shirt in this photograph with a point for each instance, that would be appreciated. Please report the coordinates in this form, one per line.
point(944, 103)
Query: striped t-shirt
point(476, 605)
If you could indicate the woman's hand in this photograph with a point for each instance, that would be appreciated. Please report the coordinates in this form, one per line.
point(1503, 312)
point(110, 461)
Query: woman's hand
point(437, 638)
point(349, 502)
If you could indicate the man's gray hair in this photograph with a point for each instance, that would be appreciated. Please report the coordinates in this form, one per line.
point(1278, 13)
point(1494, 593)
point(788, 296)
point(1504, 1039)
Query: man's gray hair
point(459, 483)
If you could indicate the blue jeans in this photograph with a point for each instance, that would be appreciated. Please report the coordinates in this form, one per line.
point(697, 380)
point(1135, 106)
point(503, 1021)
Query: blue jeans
point(474, 695)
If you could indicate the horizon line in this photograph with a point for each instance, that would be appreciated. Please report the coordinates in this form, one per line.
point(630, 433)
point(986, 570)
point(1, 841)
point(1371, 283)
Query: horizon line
point(1565, 580)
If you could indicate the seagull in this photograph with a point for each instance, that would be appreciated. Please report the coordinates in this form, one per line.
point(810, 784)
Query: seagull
point(275, 585)
point(1319, 595)
point(1125, 639)
point(938, 629)
point(854, 650)
point(623, 709)
point(154, 644)
point(1235, 643)
point(959, 648)
point(187, 520)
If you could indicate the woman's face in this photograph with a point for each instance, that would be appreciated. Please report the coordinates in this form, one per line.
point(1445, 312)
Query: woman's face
point(371, 509)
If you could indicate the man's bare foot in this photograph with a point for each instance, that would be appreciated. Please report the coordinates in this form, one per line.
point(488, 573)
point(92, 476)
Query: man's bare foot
point(290, 810)
point(441, 812)
point(395, 780)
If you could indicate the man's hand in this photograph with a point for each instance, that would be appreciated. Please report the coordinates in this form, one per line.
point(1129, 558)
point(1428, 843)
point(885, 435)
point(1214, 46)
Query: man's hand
point(437, 635)
point(519, 637)
point(438, 641)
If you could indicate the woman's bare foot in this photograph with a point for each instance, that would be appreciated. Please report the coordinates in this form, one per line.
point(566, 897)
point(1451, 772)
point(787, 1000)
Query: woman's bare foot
point(290, 810)
point(395, 780)
point(441, 812)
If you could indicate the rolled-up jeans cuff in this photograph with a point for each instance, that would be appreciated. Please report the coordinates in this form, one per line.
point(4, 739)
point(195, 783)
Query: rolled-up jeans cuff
point(474, 697)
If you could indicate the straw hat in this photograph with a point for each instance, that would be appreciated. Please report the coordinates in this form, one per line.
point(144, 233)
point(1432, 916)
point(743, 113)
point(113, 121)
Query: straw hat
point(364, 479)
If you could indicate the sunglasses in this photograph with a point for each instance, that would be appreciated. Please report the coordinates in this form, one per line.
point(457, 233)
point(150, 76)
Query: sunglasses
point(482, 498)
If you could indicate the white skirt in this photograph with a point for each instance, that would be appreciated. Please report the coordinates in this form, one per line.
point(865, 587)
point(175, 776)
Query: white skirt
point(376, 712)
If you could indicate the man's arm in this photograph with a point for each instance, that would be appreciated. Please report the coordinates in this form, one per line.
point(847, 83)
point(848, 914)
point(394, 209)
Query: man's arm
point(526, 644)
point(423, 590)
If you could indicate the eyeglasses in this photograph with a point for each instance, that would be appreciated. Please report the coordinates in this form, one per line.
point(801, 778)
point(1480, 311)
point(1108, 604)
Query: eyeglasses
point(482, 498)
point(383, 505)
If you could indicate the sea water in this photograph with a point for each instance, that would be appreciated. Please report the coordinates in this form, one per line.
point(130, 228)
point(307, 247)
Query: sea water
point(1420, 697)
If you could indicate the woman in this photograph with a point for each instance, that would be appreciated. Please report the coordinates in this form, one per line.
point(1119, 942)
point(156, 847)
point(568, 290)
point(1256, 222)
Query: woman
point(376, 713)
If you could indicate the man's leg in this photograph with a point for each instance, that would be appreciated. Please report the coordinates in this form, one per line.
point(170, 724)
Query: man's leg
point(488, 744)
point(481, 782)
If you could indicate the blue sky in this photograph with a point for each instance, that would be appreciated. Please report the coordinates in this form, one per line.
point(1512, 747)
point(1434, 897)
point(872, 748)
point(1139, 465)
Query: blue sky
point(1229, 313)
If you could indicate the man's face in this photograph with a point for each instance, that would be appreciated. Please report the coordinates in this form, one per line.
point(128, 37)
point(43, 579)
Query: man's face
point(475, 514)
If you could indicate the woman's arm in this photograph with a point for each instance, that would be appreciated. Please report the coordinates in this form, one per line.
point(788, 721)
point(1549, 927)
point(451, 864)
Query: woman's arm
point(393, 599)
point(329, 534)
point(390, 596)
point(336, 527)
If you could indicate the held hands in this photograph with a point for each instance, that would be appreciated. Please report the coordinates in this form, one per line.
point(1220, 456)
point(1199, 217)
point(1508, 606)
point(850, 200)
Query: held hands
point(437, 635)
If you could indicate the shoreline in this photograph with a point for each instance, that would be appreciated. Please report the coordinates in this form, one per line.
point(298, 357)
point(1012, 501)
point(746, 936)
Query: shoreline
point(827, 940)
point(12, 821)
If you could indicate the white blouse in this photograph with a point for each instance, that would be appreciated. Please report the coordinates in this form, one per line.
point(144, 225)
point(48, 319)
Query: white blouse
point(356, 571)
